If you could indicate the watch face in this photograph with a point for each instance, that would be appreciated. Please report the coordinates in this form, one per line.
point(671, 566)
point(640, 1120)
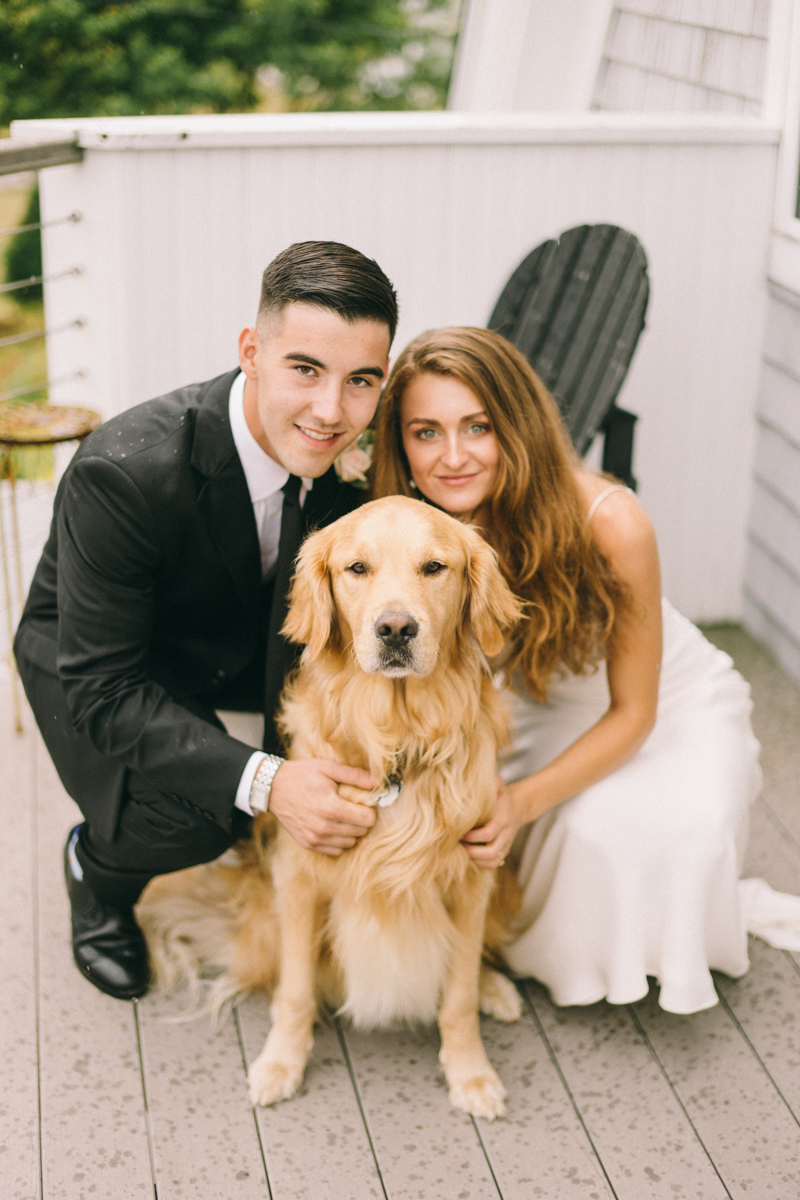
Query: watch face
point(258, 798)
point(260, 788)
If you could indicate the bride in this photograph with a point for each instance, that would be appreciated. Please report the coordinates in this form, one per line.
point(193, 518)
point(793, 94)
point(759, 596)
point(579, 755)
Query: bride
point(624, 802)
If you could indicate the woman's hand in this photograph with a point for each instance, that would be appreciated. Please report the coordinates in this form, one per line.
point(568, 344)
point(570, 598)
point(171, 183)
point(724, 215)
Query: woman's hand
point(489, 845)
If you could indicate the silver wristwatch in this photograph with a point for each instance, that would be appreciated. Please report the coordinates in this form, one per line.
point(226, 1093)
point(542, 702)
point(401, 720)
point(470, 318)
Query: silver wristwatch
point(262, 784)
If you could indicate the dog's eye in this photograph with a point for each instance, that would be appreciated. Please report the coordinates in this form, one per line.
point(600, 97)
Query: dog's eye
point(358, 568)
point(433, 568)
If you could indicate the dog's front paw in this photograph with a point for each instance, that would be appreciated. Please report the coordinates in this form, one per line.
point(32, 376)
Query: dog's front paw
point(498, 996)
point(481, 1095)
point(269, 1081)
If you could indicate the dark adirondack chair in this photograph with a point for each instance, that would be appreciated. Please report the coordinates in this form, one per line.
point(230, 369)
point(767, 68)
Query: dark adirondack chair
point(575, 307)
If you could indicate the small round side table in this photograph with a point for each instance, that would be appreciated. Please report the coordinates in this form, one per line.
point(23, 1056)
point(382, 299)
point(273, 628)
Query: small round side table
point(31, 425)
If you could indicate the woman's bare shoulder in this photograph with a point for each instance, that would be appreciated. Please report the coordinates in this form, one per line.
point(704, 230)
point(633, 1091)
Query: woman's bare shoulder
point(620, 525)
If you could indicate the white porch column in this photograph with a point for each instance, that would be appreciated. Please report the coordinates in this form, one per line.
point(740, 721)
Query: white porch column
point(529, 55)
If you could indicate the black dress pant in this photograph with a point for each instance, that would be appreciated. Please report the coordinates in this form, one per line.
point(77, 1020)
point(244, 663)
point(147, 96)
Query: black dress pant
point(153, 833)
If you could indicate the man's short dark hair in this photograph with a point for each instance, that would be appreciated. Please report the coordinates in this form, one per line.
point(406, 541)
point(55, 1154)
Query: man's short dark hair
point(333, 276)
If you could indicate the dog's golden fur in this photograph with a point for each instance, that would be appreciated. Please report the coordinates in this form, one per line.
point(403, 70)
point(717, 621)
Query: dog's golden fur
point(397, 606)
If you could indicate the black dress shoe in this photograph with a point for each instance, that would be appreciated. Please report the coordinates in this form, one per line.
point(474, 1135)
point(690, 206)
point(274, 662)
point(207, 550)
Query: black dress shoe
point(107, 944)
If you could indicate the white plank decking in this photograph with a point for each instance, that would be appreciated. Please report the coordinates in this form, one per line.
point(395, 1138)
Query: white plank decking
point(107, 1099)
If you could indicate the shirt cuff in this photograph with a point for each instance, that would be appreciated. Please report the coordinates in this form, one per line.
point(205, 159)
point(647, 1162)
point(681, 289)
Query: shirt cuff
point(242, 800)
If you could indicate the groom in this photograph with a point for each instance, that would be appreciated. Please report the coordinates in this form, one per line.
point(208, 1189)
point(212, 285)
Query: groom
point(161, 591)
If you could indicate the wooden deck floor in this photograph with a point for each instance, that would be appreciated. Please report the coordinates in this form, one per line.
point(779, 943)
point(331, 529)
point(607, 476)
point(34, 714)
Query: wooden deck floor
point(104, 1099)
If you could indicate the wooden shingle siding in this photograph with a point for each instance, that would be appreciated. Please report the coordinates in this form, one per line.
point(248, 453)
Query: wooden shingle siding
point(685, 55)
point(772, 573)
point(774, 526)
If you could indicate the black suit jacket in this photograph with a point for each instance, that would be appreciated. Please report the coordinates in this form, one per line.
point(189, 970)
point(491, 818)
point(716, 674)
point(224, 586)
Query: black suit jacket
point(148, 600)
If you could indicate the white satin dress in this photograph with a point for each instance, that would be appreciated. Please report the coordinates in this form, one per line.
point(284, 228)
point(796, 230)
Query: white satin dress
point(639, 874)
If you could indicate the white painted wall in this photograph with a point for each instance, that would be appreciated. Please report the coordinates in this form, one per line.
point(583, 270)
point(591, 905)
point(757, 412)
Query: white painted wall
point(528, 55)
point(180, 215)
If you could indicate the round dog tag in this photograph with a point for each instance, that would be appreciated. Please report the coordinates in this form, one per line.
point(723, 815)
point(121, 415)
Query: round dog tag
point(390, 793)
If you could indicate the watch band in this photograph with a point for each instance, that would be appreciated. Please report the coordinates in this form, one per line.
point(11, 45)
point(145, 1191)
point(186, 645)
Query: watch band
point(262, 783)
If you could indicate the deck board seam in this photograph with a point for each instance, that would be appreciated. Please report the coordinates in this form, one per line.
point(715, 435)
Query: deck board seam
point(147, 1122)
point(522, 987)
point(790, 955)
point(656, 1059)
point(485, 1155)
point(784, 832)
point(354, 1082)
point(255, 1117)
point(723, 1001)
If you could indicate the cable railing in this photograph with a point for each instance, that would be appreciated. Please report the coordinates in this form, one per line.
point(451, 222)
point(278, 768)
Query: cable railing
point(18, 393)
point(34, 279)
point(26, 421)
point(73, 217)
point(16, 338)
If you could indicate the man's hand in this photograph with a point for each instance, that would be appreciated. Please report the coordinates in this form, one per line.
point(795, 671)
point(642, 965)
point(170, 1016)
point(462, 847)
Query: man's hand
point(489, 845)
point(305, 800)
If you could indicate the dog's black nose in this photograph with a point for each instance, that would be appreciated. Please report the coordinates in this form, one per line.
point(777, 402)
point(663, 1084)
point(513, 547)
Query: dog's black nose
point(396, 628)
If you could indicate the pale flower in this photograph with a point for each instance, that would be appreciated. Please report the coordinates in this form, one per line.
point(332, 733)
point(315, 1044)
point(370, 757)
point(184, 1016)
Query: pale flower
point(352, 465)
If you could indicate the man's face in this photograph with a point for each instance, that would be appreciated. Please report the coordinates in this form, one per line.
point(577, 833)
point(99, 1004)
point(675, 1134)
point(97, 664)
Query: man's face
point(313, 383)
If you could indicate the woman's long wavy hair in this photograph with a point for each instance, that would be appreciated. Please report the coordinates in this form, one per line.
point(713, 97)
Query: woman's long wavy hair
point(537, 520)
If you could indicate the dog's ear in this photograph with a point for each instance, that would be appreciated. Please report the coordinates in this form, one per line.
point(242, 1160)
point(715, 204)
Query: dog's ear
point(311, 617)
point(492, 608)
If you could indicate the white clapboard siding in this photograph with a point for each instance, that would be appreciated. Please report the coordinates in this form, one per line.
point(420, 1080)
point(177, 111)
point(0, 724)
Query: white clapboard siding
point(176, 230)
point(772, 574)
point(684, 56)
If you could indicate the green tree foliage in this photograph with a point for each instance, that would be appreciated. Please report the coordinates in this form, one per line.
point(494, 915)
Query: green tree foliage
point(63, 58)
point(24, 255)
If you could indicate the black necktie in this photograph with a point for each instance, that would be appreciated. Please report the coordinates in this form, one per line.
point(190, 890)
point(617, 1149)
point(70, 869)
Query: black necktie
point(280, 653)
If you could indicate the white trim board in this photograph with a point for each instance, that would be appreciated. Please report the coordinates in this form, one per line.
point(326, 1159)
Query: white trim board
point(237, 130)
point(788, 82)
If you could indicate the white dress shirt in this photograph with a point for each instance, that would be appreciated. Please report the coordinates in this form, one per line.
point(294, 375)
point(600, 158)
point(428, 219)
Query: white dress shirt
point(265, 478)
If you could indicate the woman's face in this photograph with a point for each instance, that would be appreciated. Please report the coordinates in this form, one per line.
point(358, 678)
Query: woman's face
point(450, 444)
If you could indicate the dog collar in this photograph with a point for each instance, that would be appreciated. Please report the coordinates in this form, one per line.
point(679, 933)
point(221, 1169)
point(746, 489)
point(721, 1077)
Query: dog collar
point(394, 786)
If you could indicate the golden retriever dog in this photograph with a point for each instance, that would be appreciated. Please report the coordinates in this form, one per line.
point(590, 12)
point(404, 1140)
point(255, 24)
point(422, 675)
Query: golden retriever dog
point(397, 606)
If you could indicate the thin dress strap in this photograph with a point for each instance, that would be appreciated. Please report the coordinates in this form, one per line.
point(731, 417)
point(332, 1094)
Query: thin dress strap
point(598, 500)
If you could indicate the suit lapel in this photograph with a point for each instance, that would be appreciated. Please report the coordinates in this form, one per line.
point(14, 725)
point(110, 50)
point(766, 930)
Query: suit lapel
point(224, 501)
point(223, 498)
